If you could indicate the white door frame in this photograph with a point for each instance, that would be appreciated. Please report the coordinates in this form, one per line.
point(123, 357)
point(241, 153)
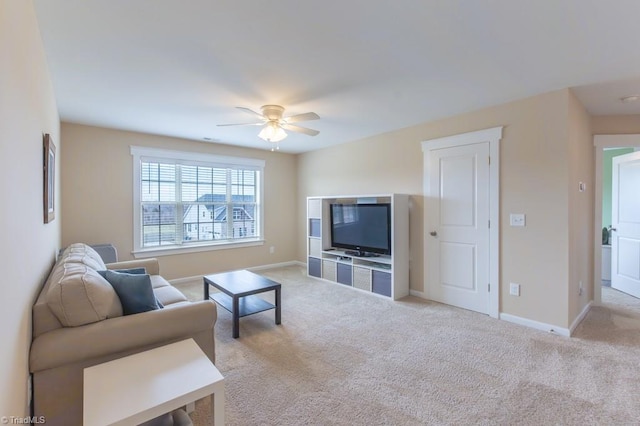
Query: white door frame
point(493, 136)
point(601, 142)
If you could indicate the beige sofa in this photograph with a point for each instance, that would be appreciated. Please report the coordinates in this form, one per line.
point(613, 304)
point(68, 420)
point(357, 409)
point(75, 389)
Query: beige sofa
point(78, 322)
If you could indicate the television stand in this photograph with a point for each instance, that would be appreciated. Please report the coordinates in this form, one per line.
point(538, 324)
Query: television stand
point(385, 275)
point(359, 253)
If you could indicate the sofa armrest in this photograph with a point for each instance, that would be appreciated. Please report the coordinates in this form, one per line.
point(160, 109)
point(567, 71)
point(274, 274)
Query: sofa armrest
point(68, 345)
point(151, 264)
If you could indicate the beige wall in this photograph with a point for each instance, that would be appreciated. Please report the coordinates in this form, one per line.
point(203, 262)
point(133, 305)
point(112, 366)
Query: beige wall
point(615, 124)
point(534, 179)
point(97, 178)
point(581, 208)
point(27, 246)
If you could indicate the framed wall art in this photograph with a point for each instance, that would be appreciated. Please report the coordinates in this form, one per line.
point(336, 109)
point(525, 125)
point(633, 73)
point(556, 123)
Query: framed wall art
point(49, 174)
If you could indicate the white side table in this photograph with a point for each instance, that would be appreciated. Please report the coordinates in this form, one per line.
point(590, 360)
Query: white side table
point(142, 386)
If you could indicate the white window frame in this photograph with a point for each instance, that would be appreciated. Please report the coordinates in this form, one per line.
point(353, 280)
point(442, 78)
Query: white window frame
point(191, 158)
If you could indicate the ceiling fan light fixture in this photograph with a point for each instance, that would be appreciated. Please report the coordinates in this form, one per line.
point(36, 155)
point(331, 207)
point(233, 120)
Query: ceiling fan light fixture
point(272, 132)
point(274, 124)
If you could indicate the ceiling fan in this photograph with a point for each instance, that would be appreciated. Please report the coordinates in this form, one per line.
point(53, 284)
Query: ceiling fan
point(274, 124)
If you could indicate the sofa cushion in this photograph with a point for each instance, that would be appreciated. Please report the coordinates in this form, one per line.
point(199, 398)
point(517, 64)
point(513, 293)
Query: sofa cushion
point(78, 295)
point(82, 253)
point(158, 281)
point(134, 290)
point(168, 295)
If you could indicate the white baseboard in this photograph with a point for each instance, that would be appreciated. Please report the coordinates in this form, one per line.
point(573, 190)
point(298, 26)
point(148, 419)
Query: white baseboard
point(579, 318)
point(526, 322)
point(252, 268)
point(535, 324)
point(566, 332)
point(185, 280)
point(276, 265)
point(417, 293)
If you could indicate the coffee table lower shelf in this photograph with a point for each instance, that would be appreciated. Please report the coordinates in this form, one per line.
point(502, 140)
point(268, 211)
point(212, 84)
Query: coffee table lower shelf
point(247, 305)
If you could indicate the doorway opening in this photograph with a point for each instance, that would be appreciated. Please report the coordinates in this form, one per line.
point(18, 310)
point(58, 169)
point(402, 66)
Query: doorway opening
point(602, 144)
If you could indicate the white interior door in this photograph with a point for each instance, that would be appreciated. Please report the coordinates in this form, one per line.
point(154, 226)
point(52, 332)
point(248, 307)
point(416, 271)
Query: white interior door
point(625, 203)
point(457, 225)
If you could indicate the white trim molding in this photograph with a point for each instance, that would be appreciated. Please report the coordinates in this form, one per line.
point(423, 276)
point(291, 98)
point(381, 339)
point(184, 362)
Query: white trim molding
point(417, 293)
point(579, 318)
point(171, 250)
point(195, 157)
point(536, 324)
point(600, 143)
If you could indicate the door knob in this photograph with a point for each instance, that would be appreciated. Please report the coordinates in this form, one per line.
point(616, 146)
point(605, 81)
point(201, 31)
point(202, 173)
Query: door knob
point(433, 233)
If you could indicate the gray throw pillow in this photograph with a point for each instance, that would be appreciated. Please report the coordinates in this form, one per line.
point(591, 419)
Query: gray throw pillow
point(131, 271)
point(134, 290)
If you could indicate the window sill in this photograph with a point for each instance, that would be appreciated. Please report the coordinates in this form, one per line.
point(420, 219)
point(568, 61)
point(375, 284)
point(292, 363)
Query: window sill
point(171, 250)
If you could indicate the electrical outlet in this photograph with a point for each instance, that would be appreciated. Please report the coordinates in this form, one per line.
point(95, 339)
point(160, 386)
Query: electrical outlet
point(272, 249)
point(517, 219)
point(514, 289)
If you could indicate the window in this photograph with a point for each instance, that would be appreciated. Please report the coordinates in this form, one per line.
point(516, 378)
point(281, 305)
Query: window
point(190, 201)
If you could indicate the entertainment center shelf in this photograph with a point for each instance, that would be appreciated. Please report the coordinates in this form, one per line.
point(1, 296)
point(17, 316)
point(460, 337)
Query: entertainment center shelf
point(381, 262)
point(385, 273)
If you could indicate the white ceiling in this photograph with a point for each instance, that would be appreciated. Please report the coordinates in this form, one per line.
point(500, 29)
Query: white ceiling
point(180, 67)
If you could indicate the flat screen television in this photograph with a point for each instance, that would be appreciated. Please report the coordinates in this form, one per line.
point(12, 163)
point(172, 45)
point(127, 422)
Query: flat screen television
point(363, 229)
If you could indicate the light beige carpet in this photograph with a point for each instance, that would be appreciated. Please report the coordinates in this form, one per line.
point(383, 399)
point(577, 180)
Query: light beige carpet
point(342, 357)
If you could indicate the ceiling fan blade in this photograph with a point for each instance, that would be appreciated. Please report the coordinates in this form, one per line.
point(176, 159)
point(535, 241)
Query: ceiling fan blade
point(252, 112)
point(307, 116)
point(242, 124)
point(299, 129)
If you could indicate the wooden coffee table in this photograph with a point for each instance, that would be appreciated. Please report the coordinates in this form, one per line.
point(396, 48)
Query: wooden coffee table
point(237, 294)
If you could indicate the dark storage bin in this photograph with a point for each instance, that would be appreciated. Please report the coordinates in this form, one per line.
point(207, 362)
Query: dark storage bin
point(381, 283)
point(315, 267)
point(344, 274)
point(314, 227)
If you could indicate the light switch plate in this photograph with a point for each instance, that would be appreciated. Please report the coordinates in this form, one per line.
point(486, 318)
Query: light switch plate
point(514, 289)
point(517, 219)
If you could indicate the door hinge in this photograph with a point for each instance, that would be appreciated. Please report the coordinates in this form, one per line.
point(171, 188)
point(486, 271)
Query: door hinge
point(489, 160)
point(489, 222)
point(489, 287)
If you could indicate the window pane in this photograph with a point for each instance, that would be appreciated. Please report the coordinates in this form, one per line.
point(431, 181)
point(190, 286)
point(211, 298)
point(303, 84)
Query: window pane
point(189, 192)
point(158, 224)
point(158, 182)
point(200, 221)
point(244, 224)
point(189, 174)
point(243, 185)
point(149, 191)
point(167, 191)
point(205, 175)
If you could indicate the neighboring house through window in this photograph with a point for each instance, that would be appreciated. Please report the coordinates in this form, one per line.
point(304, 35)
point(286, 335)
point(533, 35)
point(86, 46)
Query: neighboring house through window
point(185, 201)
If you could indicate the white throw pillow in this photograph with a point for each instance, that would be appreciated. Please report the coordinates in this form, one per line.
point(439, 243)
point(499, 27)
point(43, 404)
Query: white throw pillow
point(78, 295)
